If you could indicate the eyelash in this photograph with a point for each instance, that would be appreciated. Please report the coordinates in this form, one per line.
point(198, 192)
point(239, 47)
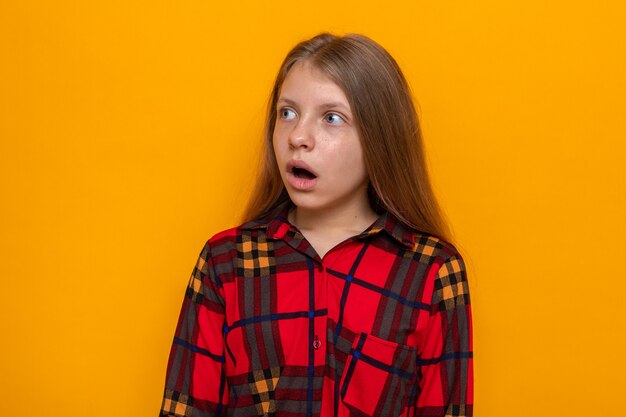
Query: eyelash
point(341, 119)
point(326, 116)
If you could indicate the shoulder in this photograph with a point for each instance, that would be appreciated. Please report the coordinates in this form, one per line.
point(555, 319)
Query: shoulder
point(222, 240)
point(228, 241)
point(224, 237)
point(258, 229)
point(447, 270)
point(432, 249)
point(220, 255)
point(424, 247)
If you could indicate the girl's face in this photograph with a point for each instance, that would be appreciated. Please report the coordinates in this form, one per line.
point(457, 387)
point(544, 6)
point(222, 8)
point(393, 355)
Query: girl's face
point(316, 143)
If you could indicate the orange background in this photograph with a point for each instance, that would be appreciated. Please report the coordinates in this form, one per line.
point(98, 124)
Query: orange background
point(129, 133)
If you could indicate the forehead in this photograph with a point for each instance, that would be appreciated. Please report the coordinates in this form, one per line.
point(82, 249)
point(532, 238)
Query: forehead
point(305, 81)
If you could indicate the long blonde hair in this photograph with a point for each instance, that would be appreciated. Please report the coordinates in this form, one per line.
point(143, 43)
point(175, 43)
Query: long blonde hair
point(387, 123)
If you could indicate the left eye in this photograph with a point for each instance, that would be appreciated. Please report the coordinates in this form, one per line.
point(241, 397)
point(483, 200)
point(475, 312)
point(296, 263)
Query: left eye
point(333, 119)
point(287, 114)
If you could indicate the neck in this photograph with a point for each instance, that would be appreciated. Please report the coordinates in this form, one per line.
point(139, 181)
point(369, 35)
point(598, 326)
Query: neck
point(352, 219)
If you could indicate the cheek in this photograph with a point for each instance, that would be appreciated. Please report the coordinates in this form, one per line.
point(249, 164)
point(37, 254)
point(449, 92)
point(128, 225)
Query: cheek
point(349, 164)
point(277, 146)
point(352, 154)
point(359, 172)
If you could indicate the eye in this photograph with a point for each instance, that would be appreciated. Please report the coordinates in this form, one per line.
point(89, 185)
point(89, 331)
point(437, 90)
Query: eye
point(287, 114)
point(333, 119)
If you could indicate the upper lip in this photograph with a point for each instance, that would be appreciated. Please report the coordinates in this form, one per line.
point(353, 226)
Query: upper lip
point(296, 163)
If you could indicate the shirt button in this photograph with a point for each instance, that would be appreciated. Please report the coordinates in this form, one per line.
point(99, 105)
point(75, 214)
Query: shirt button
point(316, 343)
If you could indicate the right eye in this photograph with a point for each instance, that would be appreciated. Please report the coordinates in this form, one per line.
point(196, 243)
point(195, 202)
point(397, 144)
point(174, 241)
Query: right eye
point(287, 114)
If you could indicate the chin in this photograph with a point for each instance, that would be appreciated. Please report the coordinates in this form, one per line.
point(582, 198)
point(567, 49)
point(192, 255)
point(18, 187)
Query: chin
point(314, 203)
point(308, 202)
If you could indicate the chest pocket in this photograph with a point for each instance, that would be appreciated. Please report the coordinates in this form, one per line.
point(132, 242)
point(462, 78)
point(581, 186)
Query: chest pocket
point(380, 377)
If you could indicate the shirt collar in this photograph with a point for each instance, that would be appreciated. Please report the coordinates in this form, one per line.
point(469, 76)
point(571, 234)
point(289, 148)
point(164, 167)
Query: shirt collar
point(277, 225)
point(390, 224)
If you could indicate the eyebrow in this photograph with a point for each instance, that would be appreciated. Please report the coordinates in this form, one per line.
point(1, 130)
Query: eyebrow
point(324, 106)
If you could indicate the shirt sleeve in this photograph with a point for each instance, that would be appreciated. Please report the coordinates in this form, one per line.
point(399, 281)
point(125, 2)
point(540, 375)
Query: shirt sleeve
point(446, 364)
point(195, 383)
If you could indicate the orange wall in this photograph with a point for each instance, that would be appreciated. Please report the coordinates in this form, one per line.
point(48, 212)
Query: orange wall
point(128, 135)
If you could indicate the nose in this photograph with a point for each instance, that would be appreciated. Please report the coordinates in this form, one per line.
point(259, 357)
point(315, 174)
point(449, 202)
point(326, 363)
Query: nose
point(302, 135)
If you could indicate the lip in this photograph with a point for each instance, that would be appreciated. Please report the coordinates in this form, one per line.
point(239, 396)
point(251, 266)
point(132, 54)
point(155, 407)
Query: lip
point(300, 184)
point(297, 163)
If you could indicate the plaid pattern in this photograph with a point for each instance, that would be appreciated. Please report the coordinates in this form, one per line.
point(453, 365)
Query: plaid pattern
point(176, 404)
point(263, 386)
point(380, 327)
point(255, 257)
point(451, 284)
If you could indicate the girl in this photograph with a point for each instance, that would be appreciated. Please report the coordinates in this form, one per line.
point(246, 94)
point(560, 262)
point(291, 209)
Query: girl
point(339, 294)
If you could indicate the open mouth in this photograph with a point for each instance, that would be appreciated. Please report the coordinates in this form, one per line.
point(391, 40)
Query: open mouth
point(300, 176)
point(303, 173)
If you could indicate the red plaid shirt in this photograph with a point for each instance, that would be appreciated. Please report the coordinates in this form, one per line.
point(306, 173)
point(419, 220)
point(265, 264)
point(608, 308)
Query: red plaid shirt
point(381, 326)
